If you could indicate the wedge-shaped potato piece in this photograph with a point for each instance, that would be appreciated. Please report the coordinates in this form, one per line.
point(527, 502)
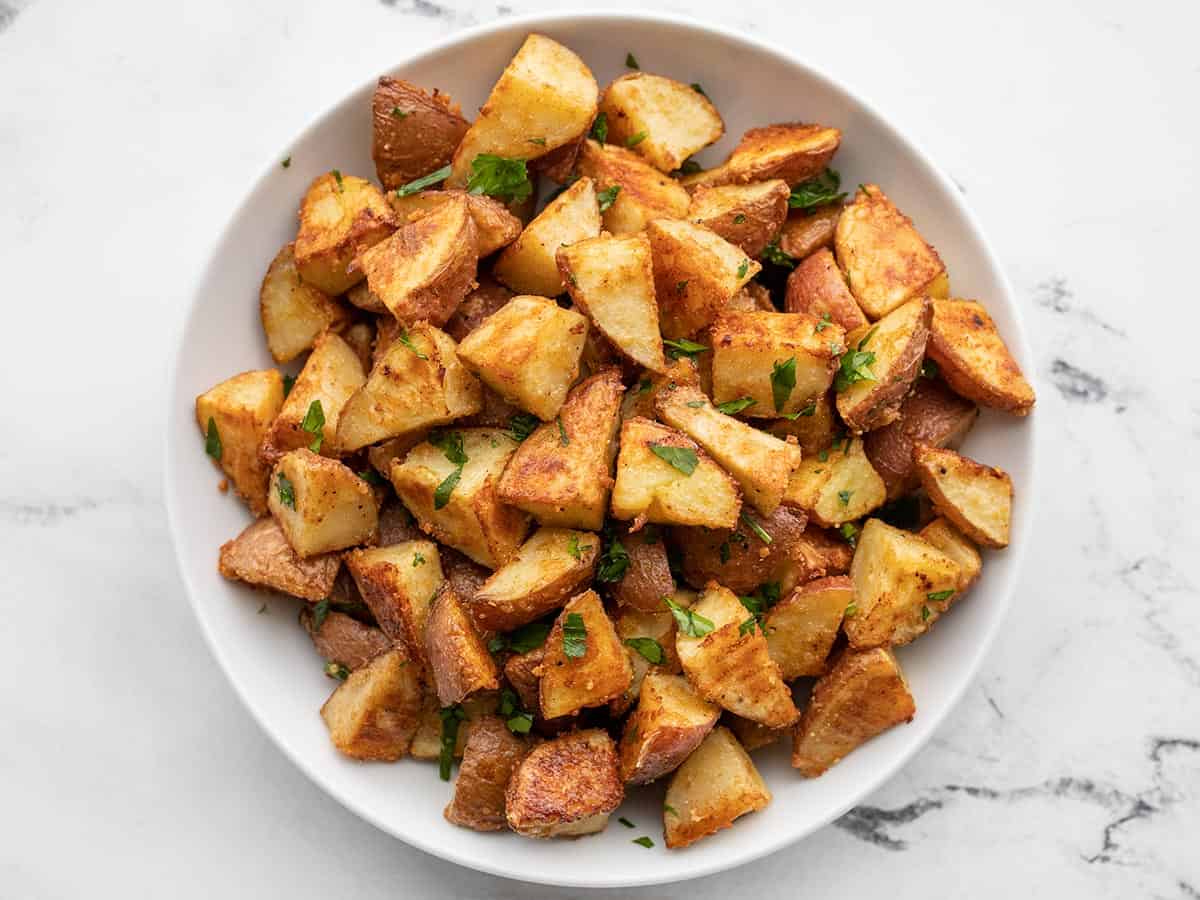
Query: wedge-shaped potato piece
point(806, 231)
point(639, 399)
point(528, 352)
point(639, 632)
point(792, 151)
point(802, 627)
point(664, 477)
point(731, 665)
point(234, 417)
point(545, 98)
point(902, 583)
point(943, 535)
point(490, 757)
point(815, 428)
point(294, 313)
point(528, 265)
point(646, 577)
point(696, 272)
point(374, 713)
point(973, 358)
point(417, 383)
point(261, 556)
point(342, 639)
point(495, 225)
point(548, 568)
point(467, 515)
point(840, 488)
point(321, 505)
point(611, 280)
point(458, 658)
point(862, 696)
point(565, 787)
point(760, 462)
point(340, 217)
point(894, 347)
point(381, 456)
point(738, 558)
point(398, 584)
point(753, 355)
point(559, 165)
point(715, 785)
point(663, 120)
point(886, 261)
point(585, 663)
point(486, 299)
point(817, 287)
point(975, 497)
point(414, 133)
point(670, 721)
point(639, 192)
point(749, 216)
point(424, 270)
point(521, 672)
point(562, 473)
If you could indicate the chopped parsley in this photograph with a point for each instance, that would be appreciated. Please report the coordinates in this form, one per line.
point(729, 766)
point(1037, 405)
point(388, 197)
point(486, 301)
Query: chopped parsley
point(289, 381)
point(644, 385)
point(650, 649)
point(929, 369)
point(500, 177)
point(337, 176)
point(743, 268)
point(574, 634)
point(682, 458)
point(826, 321)
point(287, 162)
point(287, 494)
point(695, 404)
point(758, 530)
point(844, 497)
point(608, 196)
point(689, 167)
point(521, 640)
point(418, 560)
point(643, 841)
point(817, 191)
point(614, 561)
point(939, 596)
point(600, 128)
point(681, 287)
point(540, 141)
point(319, 613)
point(314, 424)
point(690, 623)
point(855, 366)
point(748, 626)
point(699, 90)
point(373, 478)
point(757, 604)
point(683, 347)
point(452, 717)
point(806, 412)
point(634, 139)
point(925, 613)
point(624, 821)
point(667, 807)
point(851, 609)
point(336, 670)
point(732, 407)
point(562, 432)
point(739, 218)
point(631, 61)
point(517, 719)
point(407, 342)
point(451, 444)
point(574, 549)
point(398, 113)
point(776, 257)
point(521, 426)
point(849, 532)
point(423, 182)
point(212, 440)
point(783, 380)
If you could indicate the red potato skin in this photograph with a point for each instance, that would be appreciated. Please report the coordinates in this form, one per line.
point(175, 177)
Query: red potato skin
point(748, 562)
point(816, 286)
point(418, 139)
point(648, 578)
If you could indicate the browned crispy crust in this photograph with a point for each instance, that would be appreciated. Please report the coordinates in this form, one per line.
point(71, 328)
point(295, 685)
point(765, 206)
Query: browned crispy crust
point(964, 342)
point(458, 658)
point(805, 233)
point(262, 556)
point(570, 779)
point(343, 639)
point(477, 306)
point(491, 754)
point(747, 561)
point(418, 138)
point(648, 578)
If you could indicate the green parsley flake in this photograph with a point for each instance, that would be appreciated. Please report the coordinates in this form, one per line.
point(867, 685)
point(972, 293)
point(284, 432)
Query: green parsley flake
point(826, 321)
point(929, 369)
point(682, 458)
point(643, 841)
point(540, 142)
point(574, 634)
point(562, 432)
point(521, 426)
point(690, 623)
point(650, 649)
point(407, 342)
point(939, 596)
point(337, 176)
point(500, 177)
point(817, 191)
point(398, 113)
point(777, 257)
point(634, 139)
point(844, 497)
point(699, 90)
point(624, 821)
point(574, 549)
point(668, 808)
point(287, 495)
point(289, 381)
point(925, 613)
point(314, 424)
point(758, 530)
point(743, 268)
point(600, 128)
point(855, 366)
point(695, 404)
point(607, 197)
point(683, 347)
point(418, 560)
point(336, 670)
point(212, 440)
point(783, 380)
point(373, 478)
point(732, 407)
point(631, 61)
point(287, 162)
point(319, 613)
point(849, 532)
point(441, 494)
point(614, 561)
point(739, 218)
point(424, 181)
point(851, 609)
point(452, 717)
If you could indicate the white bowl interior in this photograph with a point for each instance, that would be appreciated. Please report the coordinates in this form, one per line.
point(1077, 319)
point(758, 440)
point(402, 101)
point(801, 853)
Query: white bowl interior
point(268, 657)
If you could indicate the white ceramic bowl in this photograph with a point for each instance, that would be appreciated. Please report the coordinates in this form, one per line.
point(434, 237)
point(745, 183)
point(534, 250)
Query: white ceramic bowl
point(270, 660)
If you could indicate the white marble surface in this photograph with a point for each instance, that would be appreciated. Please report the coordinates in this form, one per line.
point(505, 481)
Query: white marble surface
point(128, 130)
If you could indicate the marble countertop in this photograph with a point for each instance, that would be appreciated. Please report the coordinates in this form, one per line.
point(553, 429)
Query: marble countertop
point(128, 132)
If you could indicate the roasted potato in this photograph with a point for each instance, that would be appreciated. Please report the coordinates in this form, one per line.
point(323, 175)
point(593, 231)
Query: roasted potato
point(414, 133)
point(943, 535)
point(817, 287)
point(751, 735)
point(486, 299)
point(636, 191)
point(234, 417)
point(815, 427)
point(521, 671)
point(715, 785)
point(559, 165)
point(381, 456)
point(792, 151)
point(639, 631)
point(427, 742)
point(753, 297)
point(261, 556)
point(373, 714)
point(738, 558)
point(973, 358)
point(495, 225)
point(398, 584)
point(893, 347)
point(646, 577)
point(802, 627)
point(749, 216)
point(360, 337)
point(806, 231)
point(664, 121)
point(975, 497)
point(294, 313)
point(342, 639)
point(585, 663)
point(528, 265)
point(837, 485)
point(639, 399)
point(340, 217)
point(670, 721)
point(459, 661)
point(321, 505)
point(490, 757)
point(820, 553)
point(566, 787)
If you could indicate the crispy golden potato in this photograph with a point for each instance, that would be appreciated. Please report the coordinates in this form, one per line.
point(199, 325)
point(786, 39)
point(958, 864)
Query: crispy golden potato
point(642, 193)
point(738, 558)
point(321, 505)
point(575, 676)
point(885, 260)
point(414, 133)
point(931, 414)
point(495, 225)
point(490, 757)
point(815, 428)
point(753, 297)
point(975, 497)
point(528, 265)
point(381, 456)
point(234, 417)
point(696, 272)
point(749, 216)
point(340, 217)
point(820, 553)
point(360, 295)
point(791, 151)
point(261, 556)
point(545, 98)
point(548, 568)
point(973, 358)
point(373, 714)
point(805, 232)
point(342, 639)
point(639, 399)
point(902, 583)
point(528, 352)
point(647, 576)
point(802, 627)
point(417, 383)
point(943, 535)
point(471, 518)
point(897, 342)
point(670, 721)
point(294, 313)
point(863, 695)
point(565, 787)
point(817, 287)
point(459, 660)
point(751, 735)
point(840, 488)
point(611, 280)
point(664, 121)
point(714, 786)
point(562, 472)
point(486, 299)
point(731, 665)
point(637, 629)
point(398, 584)
point(664, 477)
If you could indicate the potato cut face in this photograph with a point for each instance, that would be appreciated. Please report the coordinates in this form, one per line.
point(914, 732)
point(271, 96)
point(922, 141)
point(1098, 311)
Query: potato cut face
point(528, 352)
point(670, 721)
point(642, 193)
point(294, 313)
point(806, 231)
point(651, 488)
point(545, 572)
point(793, 152)
point(646, 578)
point(373, 714)
point(582, 669)
point(817, 287)
point(760, 462)
point(417, 383)
point(565, 787)
point(340, 217)
point(321, 505)
point(802, 627)
point(459, 661)
point(715, 785)
point(863, 695)
point(637, 629)
point(840, 488)
point(943, 535)
point(562, 472)
point(815, 428)
point(546, 93)
point(529, 265)
point(611, 280)
point(751, 735)
point(663, 120)
point(398, 583)
point(237, 413)
point(749, 216)
point(738, 558)
point(472, 519)
point(753, 355)
point(495, 225)
point(414, 132)
point(261, 556)
point(973, 358)
point(343, 639)
point(975, 497)
point(902, 584)
point(884, 257)
point(490, 756)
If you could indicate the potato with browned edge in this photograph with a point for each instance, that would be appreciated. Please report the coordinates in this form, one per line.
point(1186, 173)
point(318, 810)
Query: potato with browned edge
point(294, 313)
point(714, 786)
point(670, 721)
point(486, 299)
point(340, 217)
point(414, 132)
point(646, 576)
point(739, 558)
point(837, 486)
point(791, 151)
point(973, 358)
point(817, 287)
point(490, 757)
point(495, 225)
point(566, 787)
point(374, 713)
point(647, 636)
point(529, 265)
point(321, 504)
point(585, 663)
point(749, 216)
point(234, 417)
point(459, 661)
point(636, 193)
point(342, 639)
point(815, 427)
point(802, 627)
point(879, 366)
point(261, 556)
point(663, 120)
point(806, 231)
point(943, 535)
point(398, 584)
point(975, 497)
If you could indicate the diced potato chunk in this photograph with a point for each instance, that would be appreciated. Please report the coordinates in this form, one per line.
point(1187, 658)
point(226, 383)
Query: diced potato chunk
point(340, 217)
point(237, 413)
point(398, 583)
point(805, 232)
point(373, 714)
point(749, 216)
point(414, 133)
point(802, 627)
point(321, 504)
point(565, 787)
point(647, 576)
point(943, 535)
point(897, 343)
point(459, 660)
point(715, 785)
point(670, 721)
point(528, 265)
point(840, 488)
point(261, 556)
point(427, 742)
point(639, 631)
point(572, 680)
point(793, 152)
point(751, 735)
point(973, 358)
point(495, 226)
point(815, 428)
point(975, 497)
point(642, 193)
point(486, 299)
point(490, 756)
point(740, 559)
point(342, 639)
point(663, 120)
point(294, 313)
point(817, 287)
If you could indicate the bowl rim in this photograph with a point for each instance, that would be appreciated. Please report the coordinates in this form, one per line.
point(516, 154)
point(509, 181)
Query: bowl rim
point(1017, 341)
